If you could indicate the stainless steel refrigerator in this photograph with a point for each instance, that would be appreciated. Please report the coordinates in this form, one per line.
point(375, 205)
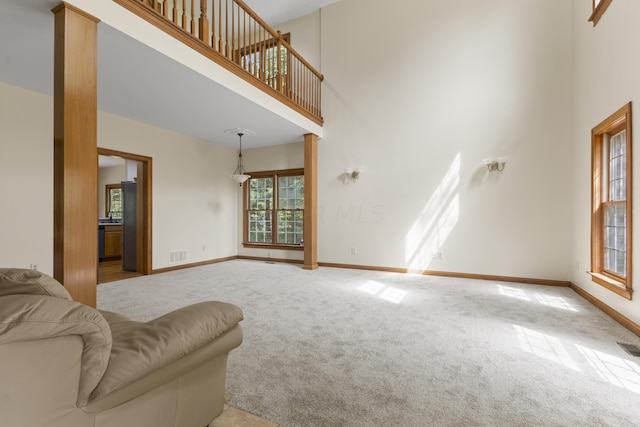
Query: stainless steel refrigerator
point(129, 220)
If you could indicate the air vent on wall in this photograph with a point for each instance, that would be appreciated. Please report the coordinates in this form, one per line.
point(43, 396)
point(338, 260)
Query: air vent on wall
point(177, 256)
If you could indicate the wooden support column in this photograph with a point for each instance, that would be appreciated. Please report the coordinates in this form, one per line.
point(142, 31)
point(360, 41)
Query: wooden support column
point(310, 201)
point(75, 153)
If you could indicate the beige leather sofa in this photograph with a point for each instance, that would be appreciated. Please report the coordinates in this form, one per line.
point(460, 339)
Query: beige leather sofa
point(64, 364)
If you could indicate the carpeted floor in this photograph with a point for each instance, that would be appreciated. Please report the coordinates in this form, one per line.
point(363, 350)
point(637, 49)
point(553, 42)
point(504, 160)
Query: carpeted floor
point(350, 348)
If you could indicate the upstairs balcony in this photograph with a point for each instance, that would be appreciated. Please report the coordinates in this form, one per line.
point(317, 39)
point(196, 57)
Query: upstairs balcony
point(230, 33)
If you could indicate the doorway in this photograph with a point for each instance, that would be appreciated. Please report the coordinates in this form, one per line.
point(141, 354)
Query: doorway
point(137, 236)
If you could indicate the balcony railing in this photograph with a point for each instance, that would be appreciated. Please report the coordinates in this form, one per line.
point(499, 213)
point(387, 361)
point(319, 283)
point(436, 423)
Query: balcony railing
point(232, 34)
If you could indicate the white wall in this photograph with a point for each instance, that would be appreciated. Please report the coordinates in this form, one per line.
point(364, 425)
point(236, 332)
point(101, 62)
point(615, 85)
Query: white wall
point(416, 94)
point(194, 201)
point(26, 179)
point(305, 37)
point(607, 65)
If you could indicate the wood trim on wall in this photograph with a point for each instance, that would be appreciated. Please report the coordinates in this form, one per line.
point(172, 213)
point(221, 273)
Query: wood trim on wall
point(617, 316)
point(75, 169)
point(193, 264)
point(282, 260)
point(544, 282)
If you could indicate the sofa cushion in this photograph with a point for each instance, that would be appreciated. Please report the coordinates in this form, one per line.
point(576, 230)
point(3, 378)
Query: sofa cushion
point(22, 281)
point(142, 348)
point(34, 317)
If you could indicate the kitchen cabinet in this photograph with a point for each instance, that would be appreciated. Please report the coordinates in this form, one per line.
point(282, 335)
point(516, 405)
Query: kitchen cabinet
point(112, 241)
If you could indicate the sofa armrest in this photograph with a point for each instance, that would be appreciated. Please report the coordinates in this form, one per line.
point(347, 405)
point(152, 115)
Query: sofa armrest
point(34, 317)
point(139, 349)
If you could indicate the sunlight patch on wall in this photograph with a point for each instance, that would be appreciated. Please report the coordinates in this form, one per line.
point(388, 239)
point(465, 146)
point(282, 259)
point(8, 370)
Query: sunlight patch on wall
point(544, 346)
point(382, 291)
point(613, 369)
point(437, 220)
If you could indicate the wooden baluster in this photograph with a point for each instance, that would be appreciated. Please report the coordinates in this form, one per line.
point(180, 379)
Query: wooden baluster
point(299, 85)
point(226, 28)
point(220, 26)
point(308, 86)
point(244, 40)
point(253, 48)
point(269, 62)
point(184, 15)
point(254, 56)
point(304, 88)
point(193, 18)
point(204, 22)
point(263, 50)
point(213, 24)
point(278, 63)
point(318, 96)
point(314, 96)
point(296, 83)
point(249, 46)
point(165, 8)
point(174, 12)
point(235, 33)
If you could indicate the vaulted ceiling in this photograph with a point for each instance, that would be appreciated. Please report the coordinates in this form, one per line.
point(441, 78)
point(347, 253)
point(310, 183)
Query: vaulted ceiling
point(132, 78)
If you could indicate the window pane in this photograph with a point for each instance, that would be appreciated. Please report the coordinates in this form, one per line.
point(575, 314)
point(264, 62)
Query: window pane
point(260, 193)
point(260, 227)
point(290, 227)
point(291, 192)
point(115, 202)
point(618, 167)
point(615, 238)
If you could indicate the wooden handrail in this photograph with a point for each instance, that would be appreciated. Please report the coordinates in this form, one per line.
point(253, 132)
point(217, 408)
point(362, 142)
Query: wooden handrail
point(232, 34)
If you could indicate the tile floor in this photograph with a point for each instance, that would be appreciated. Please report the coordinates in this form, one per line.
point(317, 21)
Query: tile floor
point(233, 417)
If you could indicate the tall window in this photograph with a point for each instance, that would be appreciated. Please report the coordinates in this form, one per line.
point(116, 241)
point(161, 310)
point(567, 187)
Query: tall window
point(599, 6)
point(274, 209)
point(113, 205)
point(611, 203)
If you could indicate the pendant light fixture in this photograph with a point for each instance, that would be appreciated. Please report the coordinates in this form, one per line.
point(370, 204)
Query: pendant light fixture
point(239, 174)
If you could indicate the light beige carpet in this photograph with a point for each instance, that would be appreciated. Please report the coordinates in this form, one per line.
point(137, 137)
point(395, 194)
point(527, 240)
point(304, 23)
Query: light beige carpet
point(348, 348)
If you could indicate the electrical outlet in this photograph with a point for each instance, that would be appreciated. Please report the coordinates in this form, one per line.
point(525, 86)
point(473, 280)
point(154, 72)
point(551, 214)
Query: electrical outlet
point(204, 248)
point(436, 255)
point(33, 266)
point(354, 251)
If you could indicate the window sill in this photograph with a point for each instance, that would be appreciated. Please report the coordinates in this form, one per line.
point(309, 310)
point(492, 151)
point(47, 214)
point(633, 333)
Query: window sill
point(599, 11)
point(269, 246)
point(611, 284)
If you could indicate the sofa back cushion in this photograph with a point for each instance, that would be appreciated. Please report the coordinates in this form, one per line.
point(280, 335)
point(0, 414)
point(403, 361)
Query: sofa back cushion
point(23, 281)
point(40, 317)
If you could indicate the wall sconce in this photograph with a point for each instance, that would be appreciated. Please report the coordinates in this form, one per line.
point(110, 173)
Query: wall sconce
point(351, 175)
point(495, 164)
